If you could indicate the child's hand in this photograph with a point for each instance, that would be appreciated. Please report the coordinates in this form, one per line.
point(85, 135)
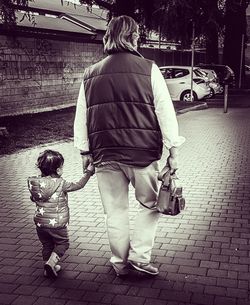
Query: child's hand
point(90, 169)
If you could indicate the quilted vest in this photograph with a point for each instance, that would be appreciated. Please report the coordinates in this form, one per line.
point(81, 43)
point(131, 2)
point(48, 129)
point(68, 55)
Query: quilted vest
point(52, 209)
point(121, 120)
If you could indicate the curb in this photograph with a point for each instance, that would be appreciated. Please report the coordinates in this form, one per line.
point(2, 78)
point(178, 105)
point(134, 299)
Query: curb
point(193, 108)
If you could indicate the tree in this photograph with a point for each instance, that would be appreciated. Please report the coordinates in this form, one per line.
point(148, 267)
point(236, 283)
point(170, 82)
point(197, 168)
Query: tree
point(7, 10)
point(174, 20)
point(235, 36)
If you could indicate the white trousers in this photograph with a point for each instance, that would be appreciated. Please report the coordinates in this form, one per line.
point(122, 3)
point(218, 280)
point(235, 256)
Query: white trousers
point(113, 182)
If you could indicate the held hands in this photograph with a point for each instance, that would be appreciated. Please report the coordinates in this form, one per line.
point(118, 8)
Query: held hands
point(87, 164)
point(90, 169)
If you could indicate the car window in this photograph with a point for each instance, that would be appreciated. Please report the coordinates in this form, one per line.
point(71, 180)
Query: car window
point(168, 73)
point(179, 73)
point(199, 72)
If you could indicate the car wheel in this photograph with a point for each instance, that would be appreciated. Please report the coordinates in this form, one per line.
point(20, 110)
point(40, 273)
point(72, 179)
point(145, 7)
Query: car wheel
point(186, 96)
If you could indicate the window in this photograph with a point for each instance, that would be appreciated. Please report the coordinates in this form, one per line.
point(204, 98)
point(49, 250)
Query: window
point(180, 73)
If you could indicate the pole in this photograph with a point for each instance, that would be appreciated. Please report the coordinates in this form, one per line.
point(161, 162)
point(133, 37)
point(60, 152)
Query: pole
point(192, 62)
point(241, 59)
point(225, 98)
point(159, 36)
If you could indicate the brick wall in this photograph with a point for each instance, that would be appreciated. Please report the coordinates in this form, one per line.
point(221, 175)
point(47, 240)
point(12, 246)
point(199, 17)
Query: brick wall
point(39, 74)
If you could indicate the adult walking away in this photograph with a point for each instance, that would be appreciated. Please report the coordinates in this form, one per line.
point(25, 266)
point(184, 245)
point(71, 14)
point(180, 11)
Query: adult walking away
point(124, 115)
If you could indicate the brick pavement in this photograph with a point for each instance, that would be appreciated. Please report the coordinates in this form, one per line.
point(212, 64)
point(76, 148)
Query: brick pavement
point(203, 254)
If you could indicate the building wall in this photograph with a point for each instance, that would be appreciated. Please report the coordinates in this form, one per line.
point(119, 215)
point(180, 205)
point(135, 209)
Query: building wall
point(41, 74)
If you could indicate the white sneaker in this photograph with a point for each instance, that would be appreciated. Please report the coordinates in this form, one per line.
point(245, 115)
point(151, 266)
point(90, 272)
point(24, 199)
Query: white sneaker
point(146, 268)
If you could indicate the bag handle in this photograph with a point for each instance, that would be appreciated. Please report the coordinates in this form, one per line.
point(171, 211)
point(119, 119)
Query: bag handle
point(165, 175)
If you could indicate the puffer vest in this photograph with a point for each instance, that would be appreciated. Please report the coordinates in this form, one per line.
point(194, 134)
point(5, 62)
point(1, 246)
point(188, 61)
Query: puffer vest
point(52, 210)
point(121, 120)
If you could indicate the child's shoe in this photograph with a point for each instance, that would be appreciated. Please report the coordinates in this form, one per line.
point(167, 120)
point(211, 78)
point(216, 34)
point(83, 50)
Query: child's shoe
point(57, 269)
point(50, 265)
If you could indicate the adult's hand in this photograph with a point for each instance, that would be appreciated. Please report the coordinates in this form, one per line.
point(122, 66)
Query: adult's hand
point(86, 161)
point(172, 163)
point(172, 159)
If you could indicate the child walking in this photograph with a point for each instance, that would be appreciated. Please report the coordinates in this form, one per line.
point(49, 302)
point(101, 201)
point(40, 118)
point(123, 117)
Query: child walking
point(49, 192)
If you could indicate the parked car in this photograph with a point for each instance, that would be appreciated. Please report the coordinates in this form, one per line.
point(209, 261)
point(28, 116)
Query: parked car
point(178, 79)
point(224, 73)
point(214, 84)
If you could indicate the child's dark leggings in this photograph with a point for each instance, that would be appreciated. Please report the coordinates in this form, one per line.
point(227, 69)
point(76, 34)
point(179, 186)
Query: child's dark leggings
point(53, 240)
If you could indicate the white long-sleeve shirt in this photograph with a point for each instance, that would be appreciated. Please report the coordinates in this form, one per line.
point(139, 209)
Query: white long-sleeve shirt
point(164, 110)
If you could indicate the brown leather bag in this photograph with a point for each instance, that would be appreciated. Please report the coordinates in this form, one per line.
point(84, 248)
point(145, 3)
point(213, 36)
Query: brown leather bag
point(170, 200)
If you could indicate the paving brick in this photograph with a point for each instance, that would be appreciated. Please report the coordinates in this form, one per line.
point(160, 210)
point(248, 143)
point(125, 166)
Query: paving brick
point(194, 287)
point(7, 288)
point(202, 299)
point(238, 293)
point(115, 289)
point(165, 260)
point(150, 301)
point(149, 292)
point(66, 283)
point(94, 296)
point(7, 298)
point(224, 282)
point(98, 261)
point(243, 284)
point(218, 273)
point(179, 296)
point(86, 276)
point(73, 294)
point(128, 300)
point(169, 268)
point(89, 286)
point(25, 300)
point(234, 267)
point(163, 284)
point(186, 262)
point(8, 278)
point(209, 264)
point(108, 298)
point(49, 301)
point(224, 300)
point(133, 291)
point(221, 291)
point(43, 291)
point(192, 270)
point(25, 289)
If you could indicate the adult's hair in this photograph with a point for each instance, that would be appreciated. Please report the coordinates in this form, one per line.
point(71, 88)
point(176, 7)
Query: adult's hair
point(49, 161)
point(120, 35)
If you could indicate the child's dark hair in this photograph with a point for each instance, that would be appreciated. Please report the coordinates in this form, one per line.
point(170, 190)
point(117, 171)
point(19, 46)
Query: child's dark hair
point(49, 161)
